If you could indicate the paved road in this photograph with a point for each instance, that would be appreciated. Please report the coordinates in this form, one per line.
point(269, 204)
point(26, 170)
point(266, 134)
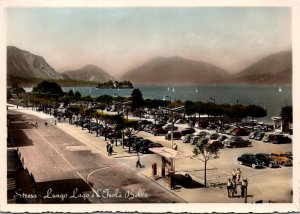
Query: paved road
point(64, 167)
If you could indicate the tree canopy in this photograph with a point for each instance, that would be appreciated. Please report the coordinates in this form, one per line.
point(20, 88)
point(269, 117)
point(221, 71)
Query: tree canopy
point(137, 100)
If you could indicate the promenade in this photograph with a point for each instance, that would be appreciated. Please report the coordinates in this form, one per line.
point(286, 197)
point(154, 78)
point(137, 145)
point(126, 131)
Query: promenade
point(77, 154)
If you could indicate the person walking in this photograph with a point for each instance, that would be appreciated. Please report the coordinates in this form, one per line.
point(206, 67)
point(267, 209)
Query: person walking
point(36, 124)
point(233, 191)
point(233, 173)
point(229, 188)
point(107, 146)
point(243, 188)
point(238, 174)
point(110, 150)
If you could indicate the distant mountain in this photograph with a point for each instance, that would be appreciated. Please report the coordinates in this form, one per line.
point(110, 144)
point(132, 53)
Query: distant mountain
point(273, 69)
point(89, 73)
point(176, 70)
point(24, 64)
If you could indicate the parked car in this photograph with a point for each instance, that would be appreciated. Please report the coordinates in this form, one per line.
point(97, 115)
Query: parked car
point(142, 143)
point(250, 160)
point(289, 155)
point(281, 158)
point(259, 136)
point(221, 138)
point(159, 131)
point(234, 142)
point(267, 159)
point(214, 136)
point(252, 135)
point(176, 135)
point(195, 140)
point(188, 131)
point(279, 139)
point(145, 149)
point(239, 132)
point(168, 127)
point(202, 134)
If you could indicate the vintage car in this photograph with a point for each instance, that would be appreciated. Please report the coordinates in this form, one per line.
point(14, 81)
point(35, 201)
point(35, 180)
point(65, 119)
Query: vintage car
point(267, 159)
point(250, 160)
point(281, 158)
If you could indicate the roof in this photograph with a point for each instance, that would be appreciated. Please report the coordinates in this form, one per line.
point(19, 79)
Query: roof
point(168, 152)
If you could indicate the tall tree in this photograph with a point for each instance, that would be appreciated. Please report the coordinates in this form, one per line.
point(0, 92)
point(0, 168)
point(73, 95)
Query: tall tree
point(137, 100)
point(255, 111)
point(48, 89)
point(206, 151)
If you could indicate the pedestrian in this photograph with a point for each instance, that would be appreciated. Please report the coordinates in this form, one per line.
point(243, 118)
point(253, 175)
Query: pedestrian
point(64, 118)
point(243, 188)
point(36, 124)
point(46, 122)
point(107, 146)
point(233, 191)
point(55, 122)
point(110, 150)
point(233, 173)
point(229, 188)
point(238, 174)
point(175, 146)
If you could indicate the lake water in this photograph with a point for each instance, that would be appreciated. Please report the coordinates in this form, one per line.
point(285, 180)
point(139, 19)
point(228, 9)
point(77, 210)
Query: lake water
point(268, 96)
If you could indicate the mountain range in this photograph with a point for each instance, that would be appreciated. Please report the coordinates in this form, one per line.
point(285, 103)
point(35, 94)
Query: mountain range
point(176, 70)
point(273, 69)
point(89, 73)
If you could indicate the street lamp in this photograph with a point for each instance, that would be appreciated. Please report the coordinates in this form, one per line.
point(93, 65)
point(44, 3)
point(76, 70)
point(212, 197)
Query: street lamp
point(213, 99)
point(172, 110)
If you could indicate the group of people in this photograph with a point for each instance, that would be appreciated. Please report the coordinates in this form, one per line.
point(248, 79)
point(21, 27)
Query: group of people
point(234, 181)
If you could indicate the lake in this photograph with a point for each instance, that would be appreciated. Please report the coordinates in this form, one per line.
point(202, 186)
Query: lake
point(271, 97)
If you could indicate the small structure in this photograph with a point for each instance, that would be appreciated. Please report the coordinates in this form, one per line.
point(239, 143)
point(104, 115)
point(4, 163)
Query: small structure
point(277, 123)
point(168, 157)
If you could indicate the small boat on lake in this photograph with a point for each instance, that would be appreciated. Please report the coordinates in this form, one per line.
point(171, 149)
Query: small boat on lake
point(280, 90)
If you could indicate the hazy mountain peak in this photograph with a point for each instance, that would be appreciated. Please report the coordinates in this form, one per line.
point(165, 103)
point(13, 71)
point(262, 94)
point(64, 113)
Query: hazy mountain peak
point(21, 63)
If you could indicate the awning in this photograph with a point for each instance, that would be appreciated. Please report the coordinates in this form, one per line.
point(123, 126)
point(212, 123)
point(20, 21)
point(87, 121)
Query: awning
point(168, 152)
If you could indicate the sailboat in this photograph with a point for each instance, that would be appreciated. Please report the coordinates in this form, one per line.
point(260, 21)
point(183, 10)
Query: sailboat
point(173, 90)
point(279, 89)
point(90, 91)
point(164, 98)
point(168, 88)
point(196, 90)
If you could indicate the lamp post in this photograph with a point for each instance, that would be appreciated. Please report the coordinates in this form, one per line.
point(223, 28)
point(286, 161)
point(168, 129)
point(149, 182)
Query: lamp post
point(213, 99)
point(172, 110)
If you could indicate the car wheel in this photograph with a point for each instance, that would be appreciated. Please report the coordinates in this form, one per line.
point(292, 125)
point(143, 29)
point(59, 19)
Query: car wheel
point(240, 162)
point(270, 165)
point(282, 163)
point(253, 166)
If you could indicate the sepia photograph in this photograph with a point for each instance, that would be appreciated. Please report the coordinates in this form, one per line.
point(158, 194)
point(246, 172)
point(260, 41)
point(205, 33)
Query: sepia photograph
point(140, 104)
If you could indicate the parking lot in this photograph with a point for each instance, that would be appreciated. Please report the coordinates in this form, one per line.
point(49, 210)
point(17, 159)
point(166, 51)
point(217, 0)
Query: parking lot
point(267, 184)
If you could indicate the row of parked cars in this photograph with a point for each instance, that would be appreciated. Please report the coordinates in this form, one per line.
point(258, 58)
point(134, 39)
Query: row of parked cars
point(270, 137)
point(139, 144)
point(275, 159)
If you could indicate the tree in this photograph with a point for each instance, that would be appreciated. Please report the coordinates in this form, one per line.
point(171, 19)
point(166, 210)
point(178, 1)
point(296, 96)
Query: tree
point(237, 112)
point(77, 95)
point(48, 89)
point(205, 151)
point(286, 114)
point(137, 100)
point(255, 111)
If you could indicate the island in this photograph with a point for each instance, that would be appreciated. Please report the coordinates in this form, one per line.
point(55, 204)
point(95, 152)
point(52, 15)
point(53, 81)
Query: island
point(115, 85)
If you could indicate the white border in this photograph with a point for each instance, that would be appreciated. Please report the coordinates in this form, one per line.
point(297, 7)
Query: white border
point(189, 207)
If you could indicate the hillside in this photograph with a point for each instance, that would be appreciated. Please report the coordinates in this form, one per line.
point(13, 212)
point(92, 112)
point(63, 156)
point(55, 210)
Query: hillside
point(176, 70)
point(273, 69)
point(24, 64)
point(89, 73)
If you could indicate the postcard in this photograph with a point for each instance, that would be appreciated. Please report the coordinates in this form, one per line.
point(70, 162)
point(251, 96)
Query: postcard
point(174, 106)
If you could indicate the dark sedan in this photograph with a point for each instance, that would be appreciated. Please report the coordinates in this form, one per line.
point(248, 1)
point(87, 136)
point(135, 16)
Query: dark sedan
point(188, 131)
point(267, 159)
point(145, 149)
point(234, 142)
point(250, 160)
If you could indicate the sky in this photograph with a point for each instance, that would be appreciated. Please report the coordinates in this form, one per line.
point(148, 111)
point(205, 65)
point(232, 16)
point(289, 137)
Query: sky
point(119, 39)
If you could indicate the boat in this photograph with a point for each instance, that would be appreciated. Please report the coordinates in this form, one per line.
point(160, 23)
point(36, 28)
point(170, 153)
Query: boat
point(173, 90)
point(196, 90)
point(280, 90)
point(168, 89)
point(90, 91)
